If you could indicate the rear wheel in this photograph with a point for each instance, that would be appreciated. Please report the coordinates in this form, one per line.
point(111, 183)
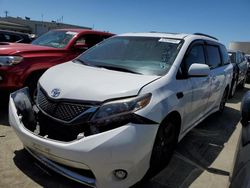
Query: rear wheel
point(242, 83)
point(164, 145)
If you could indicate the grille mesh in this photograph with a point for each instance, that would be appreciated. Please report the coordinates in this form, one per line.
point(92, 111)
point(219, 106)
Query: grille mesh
point(64, 111)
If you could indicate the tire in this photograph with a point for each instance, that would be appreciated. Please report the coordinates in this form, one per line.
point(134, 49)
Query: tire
point(242, 83)
point(233, 88)
point(223, 102)
point(164, 146)
point(248, 79)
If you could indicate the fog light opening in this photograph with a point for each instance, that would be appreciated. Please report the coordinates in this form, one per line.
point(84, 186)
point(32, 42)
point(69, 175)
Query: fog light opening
point(120, 174)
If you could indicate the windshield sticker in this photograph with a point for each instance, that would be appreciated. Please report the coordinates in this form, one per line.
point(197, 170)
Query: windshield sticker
point(71, 33)
point(174, 41)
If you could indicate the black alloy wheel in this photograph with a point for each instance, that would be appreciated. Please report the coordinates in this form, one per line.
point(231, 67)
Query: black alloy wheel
point(233, 88)
point(242, 83)
point(164, 145)
point(223, 101)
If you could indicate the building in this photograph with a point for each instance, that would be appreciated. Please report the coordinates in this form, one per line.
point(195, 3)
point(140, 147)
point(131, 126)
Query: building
point(241, 46)
point(33, 27)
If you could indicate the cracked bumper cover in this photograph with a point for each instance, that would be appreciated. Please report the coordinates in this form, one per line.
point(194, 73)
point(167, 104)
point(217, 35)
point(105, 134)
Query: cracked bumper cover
point(127, 147)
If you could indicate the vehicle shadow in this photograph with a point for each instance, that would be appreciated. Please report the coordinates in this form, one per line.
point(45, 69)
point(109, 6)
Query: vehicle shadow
point(39, 173)
point(4, 101)
point(197, 151)
point(239, 94)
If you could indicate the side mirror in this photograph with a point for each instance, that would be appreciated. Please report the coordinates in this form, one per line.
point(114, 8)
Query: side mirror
point(198, 70)
point(81, 46)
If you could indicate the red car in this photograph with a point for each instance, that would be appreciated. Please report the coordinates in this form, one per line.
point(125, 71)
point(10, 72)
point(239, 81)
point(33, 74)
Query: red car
point(23, 64)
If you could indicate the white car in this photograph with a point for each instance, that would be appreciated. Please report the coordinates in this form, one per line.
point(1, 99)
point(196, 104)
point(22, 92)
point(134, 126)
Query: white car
point(115, 113)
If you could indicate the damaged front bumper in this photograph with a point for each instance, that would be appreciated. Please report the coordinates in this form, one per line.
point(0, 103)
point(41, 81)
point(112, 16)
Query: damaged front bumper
point(127, 147)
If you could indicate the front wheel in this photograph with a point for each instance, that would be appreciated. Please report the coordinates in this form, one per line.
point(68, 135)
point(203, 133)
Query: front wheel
point(233, 88)
point(223, 101)
point(164, 145)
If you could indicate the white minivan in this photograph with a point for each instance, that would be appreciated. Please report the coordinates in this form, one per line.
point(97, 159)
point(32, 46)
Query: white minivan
point(116, 112)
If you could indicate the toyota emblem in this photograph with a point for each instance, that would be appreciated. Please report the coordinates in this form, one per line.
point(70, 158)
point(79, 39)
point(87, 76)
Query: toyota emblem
point(55, 92)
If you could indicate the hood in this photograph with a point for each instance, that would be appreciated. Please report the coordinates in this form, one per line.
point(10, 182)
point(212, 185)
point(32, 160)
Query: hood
point(81, 82)
point(13, 48)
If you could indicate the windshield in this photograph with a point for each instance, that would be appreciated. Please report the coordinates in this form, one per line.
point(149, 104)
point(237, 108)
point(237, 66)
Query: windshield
point(56, 39)
point(142, 55)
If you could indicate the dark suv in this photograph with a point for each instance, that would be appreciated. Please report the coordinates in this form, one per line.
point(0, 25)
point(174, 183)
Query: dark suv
point(12, 36)
point(240, 70)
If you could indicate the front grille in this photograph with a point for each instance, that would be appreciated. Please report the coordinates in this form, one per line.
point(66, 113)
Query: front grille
point(56, 130)
point(64, 111)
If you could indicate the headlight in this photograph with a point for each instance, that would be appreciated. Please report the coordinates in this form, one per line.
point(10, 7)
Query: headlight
point(10, 60)
point(118, 113)
point(121, 107)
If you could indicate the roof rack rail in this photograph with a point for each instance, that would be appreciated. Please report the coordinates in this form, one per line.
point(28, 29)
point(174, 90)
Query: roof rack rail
point(163, 32)
point(202, 34)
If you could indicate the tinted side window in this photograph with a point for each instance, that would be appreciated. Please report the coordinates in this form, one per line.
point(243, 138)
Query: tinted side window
point(90, 40)
point(195, 55)
point(12, 38)
point(15, 38)
point(238, 57)
point(2, 38)
point(232, 56)
point(7, 37)
point(242, 58)
point(225, 56)
point(214, 59)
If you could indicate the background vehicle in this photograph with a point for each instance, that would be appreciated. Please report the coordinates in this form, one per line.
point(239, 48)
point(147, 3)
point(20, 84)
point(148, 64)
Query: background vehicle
point(241, 170)
point(12, 36)
point(240, 66)
point(118, 110)
point(248, 70)
point(22, 64)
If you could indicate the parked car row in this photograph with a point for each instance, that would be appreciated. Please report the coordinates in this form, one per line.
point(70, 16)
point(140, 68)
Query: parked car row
point(241, 170)
point(22, 64)
point(240, 67)
point(113, 115)
point(248, 70)
point(59, 46)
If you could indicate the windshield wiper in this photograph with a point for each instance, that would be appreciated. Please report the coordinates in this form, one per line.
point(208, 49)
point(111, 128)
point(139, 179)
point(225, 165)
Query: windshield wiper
point(82, 62)
point(107, 67)
point(122, 69)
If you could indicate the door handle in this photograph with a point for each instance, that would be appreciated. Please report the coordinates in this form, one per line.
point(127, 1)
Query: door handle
point(180, 95)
